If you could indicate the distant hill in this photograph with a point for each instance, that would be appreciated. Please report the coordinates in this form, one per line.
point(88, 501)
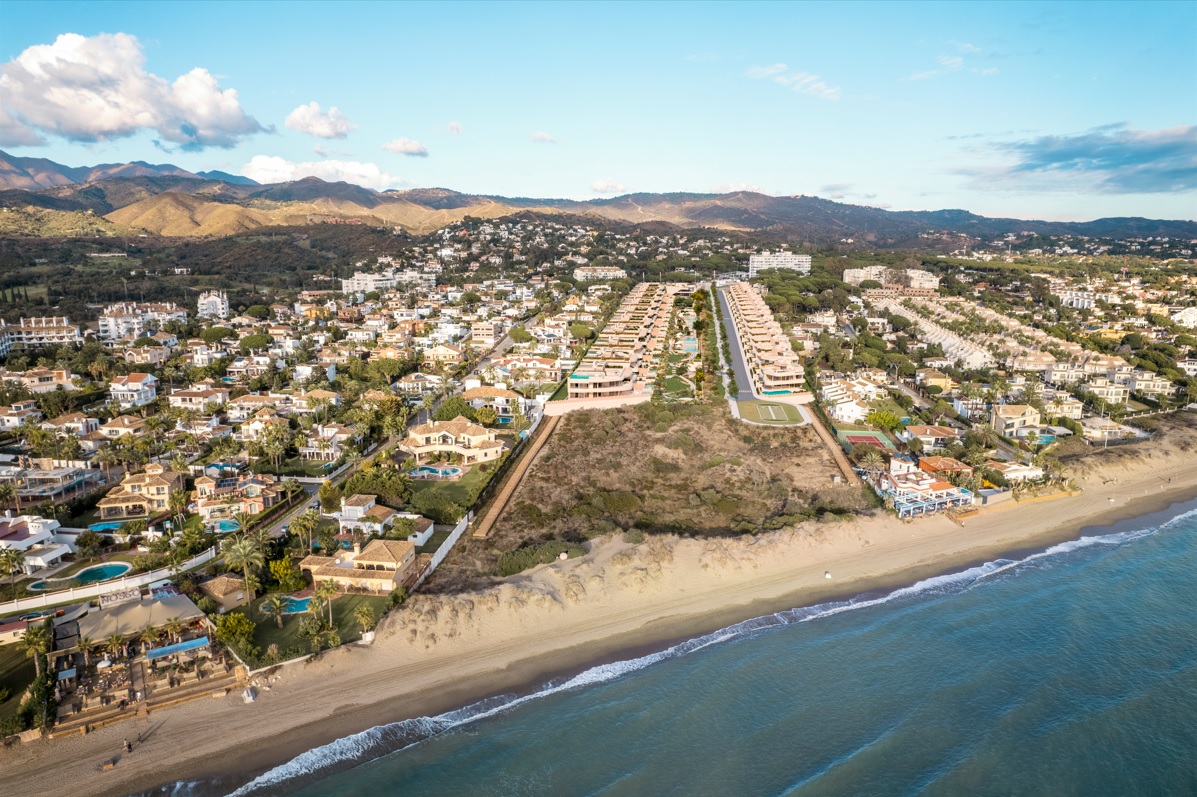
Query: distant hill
point(166, 200)
point(225, 177)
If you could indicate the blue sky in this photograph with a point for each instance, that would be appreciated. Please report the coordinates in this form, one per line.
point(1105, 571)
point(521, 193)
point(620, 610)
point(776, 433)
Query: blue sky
point(1031, 110)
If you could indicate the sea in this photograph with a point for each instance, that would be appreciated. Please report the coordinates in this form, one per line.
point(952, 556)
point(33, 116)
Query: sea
point(1065, 671)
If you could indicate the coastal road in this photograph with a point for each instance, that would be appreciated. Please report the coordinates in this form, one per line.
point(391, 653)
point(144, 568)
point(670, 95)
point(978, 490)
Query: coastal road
point(739, 367)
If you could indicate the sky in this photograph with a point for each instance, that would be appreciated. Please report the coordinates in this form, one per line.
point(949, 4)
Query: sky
point(1061, 111)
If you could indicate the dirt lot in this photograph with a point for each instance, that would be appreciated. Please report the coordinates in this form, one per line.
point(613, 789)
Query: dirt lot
point(676, 469)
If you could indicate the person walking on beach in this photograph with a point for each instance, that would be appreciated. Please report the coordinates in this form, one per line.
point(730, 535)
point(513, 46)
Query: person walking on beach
point(128, 747)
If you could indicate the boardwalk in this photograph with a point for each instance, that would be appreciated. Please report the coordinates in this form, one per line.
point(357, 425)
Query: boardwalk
point(517, 475)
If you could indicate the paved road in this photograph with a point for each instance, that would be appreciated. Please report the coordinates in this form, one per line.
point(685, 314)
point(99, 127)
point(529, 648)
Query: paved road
point(739, 367)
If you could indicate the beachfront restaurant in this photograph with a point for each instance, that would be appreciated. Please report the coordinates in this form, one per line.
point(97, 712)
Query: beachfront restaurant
point(127, 654)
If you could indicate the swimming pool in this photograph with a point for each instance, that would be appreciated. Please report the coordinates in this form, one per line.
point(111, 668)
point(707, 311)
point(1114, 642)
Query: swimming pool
point(225, 526)
point(777, 392)
point(690, 345)
point(296, 605)
point(108, 525)
point(89, 575)
point(429, 471)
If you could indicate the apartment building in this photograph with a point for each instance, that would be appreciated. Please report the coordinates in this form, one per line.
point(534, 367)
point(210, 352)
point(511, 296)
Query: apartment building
point(596, 273)
point(623, 359)
point(768, 354)
point(787, 260)
point(134, 390)
point(39, 331)
point(213, 304)
point(133, 319)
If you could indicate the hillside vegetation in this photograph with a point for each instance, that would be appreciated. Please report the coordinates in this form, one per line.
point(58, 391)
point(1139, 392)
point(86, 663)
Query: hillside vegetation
point(689, 470)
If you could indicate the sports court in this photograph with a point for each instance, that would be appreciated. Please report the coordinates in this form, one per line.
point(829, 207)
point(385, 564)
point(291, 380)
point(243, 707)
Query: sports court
point(769, 413)
point(850, 438)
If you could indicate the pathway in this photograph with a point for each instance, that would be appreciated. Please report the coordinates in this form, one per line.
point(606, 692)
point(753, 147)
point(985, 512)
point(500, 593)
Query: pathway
point(548, 424)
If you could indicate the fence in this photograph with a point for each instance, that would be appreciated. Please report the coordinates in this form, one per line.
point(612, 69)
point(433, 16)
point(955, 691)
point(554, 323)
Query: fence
point(446, 546)
point(78, 593)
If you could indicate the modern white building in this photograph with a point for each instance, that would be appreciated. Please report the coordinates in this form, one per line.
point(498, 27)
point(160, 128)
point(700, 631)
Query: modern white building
point(133, 319)
point(596, 273)
point(787, 260)
point(213, 304)
point(34, 536)
point(40, 331)
point(903, 277)
point(362, 282)
point(134, 390)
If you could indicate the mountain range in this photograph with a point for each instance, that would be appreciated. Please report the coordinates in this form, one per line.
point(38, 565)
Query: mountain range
point(46, 198)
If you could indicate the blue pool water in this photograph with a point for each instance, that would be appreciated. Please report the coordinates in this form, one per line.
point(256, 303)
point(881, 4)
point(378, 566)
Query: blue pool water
point(504, 420)
point(424, 471)
point(227, 525)
point(89, 575)
point(296, 605)
point(1071, 671)
point(690, 345)
point(777, 392)
point(108, 525)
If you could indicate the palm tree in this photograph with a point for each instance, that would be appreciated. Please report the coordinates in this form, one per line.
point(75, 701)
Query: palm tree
point(304, 525)
point(872, 461)
point(11, 562)
point(243, 554)
point(36, 642)
point(178, 506)
point(173, 629)
point(85, 644)
point(291, 487)
point(275, 606)
point(9, 494)
point(328, 590)
point(149, 637)
point(243, 519)
point(114, 644)
point(364, 616)
point(428, 402)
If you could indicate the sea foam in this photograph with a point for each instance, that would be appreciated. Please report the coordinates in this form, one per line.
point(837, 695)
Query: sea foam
point(349, 751)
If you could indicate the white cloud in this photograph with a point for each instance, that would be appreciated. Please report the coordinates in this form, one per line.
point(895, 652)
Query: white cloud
point(14, 133)
point(607, 186)
point(311, 120)
point(325, 152)
point(96, 89)
point(800, 82)
point(542, 137)
point(989, 72)
point(272, 169)
point(456, 129)
point(966, 47)
point(951, 61)
point(923, 75)
point(407, 146)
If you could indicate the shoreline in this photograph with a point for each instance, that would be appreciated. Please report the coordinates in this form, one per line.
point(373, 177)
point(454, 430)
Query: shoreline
point(535, 632)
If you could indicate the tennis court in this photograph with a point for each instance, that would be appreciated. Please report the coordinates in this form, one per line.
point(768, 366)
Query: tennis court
point(875, 439)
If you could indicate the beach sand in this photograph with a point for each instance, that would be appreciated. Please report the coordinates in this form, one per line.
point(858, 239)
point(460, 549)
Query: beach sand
point(443, 652)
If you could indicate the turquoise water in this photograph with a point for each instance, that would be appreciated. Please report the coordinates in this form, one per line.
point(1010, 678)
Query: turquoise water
point(89, 575)
point(108, 525)
point(425, 471)
point(296, 605)
point(227, 525)
point(1071, 671)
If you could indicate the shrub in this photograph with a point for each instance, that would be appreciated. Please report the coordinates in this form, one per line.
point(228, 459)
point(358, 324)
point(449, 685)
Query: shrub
point(634, 536)
point(528, 556)
point(439, 508)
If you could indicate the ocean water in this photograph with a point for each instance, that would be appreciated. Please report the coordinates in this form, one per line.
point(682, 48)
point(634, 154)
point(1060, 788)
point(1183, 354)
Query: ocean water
point(1070, 671)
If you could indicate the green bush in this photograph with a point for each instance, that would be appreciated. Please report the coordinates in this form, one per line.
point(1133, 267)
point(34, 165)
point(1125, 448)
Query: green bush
point(528, 556)
point(634, 536)
point(440, 509)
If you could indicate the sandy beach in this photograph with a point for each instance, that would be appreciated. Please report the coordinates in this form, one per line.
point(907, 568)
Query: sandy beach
point(442, 652)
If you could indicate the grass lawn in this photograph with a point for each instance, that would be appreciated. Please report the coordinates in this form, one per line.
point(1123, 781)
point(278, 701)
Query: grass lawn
point(434, 542)
point(889, 405)
point(674, 384)
point(268, 633)
point(751, 411)
point(463, 492)
point(1136, 406)
point(674, 359)
point(16, 673)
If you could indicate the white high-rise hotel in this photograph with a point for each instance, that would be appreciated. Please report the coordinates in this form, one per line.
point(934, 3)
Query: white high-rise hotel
point(758, 263)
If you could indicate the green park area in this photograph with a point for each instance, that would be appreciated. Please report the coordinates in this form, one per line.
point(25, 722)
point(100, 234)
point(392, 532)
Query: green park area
point(769, 412)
